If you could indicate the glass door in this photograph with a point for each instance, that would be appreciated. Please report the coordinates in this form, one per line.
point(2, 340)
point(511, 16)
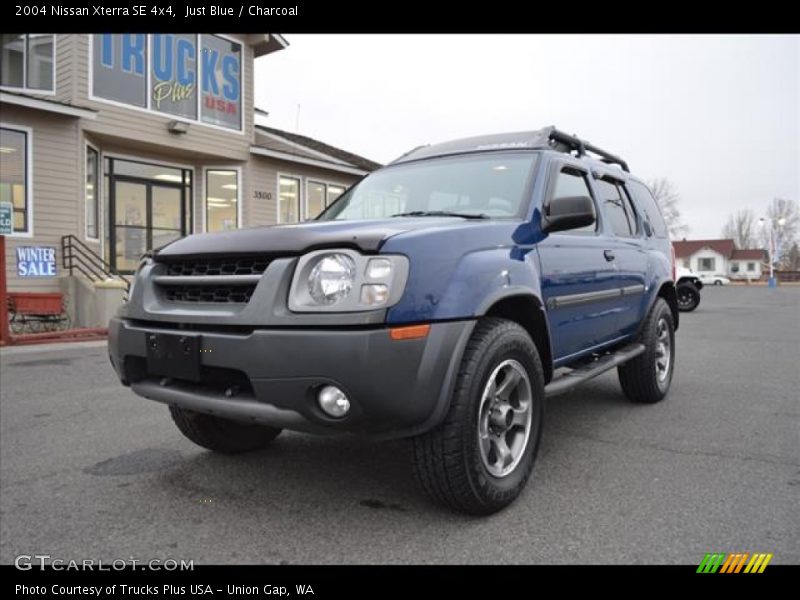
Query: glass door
point(130, 224)
point(148, 207)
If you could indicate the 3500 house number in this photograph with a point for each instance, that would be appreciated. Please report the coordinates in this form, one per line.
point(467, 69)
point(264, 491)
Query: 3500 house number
point(259, 195)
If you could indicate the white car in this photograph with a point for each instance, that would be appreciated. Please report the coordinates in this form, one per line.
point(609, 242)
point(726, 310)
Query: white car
point(713, 279)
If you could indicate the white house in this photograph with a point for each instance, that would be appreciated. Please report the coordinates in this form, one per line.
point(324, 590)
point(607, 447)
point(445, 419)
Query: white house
point(721, 257)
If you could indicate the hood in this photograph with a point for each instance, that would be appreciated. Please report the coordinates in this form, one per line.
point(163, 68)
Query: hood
point(367, 236)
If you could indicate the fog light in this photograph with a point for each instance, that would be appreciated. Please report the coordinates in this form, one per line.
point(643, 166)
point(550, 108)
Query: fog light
point(333, 401)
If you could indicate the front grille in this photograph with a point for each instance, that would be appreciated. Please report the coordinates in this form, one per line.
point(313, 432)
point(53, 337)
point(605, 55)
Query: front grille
point(216, 280)
point(218, 294)
point(218, 266)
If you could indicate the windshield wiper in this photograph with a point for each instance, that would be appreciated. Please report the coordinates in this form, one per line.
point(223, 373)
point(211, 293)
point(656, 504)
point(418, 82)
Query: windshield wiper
point(441, 213)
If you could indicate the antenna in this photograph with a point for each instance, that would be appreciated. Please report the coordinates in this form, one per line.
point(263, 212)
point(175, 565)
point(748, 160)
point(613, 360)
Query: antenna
point(297, 119)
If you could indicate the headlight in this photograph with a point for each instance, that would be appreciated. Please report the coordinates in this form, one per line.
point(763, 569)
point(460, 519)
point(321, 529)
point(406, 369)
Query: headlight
point(332, 278)
point(344, 280)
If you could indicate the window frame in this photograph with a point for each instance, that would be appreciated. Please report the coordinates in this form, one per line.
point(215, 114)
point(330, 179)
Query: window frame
point(97, 192)
point(29, 90)
point(204, 193)
point(627, 203)
point(556, 171)
point(300, 197)
point(713, 260)
point(309, 181)
point(148, 86)
point(28, 131)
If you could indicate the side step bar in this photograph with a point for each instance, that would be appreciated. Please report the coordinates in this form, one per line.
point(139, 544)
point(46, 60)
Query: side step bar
point(597, 367)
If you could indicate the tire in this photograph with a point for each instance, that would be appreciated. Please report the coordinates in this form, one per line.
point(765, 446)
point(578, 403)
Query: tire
point(454, 464)
point(688, 296)
point(222, 435)
point(643, 380)
point(718, 282)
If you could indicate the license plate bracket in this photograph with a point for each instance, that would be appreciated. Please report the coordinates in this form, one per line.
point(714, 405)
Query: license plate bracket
point(174, 355)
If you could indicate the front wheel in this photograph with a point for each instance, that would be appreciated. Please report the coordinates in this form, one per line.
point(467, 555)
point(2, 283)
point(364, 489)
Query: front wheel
point(688, 296)
point(646, 378)
point(480, 458)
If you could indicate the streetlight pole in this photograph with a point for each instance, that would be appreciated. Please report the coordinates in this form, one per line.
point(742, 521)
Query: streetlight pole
point(772, 249)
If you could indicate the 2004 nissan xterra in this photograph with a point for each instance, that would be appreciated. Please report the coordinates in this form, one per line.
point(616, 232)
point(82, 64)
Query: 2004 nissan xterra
point(442, 299)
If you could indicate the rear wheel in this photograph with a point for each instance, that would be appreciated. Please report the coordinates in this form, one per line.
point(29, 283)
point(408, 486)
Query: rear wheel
point(646, 378)
point(222, 435)
point(479, 459)
point(688, 296)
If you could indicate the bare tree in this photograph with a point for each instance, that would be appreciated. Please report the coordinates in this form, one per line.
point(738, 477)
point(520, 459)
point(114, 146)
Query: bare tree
point(741, 228)
point(785, 218)
point(667, 199)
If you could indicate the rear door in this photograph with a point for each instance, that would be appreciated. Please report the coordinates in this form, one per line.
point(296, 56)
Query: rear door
point(580, 283)
point(627, 249)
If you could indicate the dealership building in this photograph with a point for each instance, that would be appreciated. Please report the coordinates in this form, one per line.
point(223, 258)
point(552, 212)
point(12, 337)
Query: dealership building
point(111, 145)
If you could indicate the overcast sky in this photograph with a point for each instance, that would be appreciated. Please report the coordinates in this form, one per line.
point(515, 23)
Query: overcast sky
point(717, 115)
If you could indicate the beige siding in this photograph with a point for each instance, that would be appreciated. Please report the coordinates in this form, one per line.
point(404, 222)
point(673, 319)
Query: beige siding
point(133, 126)
point(65, 66)
point(57, 193)
point(263, 177)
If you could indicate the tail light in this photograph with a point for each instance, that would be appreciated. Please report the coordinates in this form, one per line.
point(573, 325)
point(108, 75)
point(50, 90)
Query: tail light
point(674, 267)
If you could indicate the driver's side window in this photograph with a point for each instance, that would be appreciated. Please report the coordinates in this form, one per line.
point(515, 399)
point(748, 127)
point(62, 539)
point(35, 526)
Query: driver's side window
point(572, 182)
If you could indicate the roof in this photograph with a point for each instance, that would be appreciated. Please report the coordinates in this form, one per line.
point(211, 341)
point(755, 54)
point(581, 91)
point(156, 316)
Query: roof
point(749, 254)
point(726, 247)
point(547, 138)
point(321, 150)
point(686, 248)
point(46, 104)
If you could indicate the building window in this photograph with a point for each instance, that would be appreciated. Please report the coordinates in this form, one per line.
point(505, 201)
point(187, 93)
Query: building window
point(735, 267)
point(751, 266)
point(27, 61)
point(288, 199)
point(334, 191)
point(686, 263)
point(195, 77)
point(706, 264)
point(14, 176)
point(319, 196)
point(91, 193)
point(222, 198)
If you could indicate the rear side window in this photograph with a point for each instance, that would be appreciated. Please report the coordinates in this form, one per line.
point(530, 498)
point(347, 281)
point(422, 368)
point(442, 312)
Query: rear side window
point(616, 207)
point(647, 205)
point(569, 183)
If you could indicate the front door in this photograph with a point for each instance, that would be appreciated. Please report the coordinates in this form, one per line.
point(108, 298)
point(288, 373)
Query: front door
point(580, 285)
point(145, 214)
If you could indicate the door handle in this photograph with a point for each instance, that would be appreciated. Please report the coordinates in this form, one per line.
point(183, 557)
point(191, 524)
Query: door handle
point(609, 254)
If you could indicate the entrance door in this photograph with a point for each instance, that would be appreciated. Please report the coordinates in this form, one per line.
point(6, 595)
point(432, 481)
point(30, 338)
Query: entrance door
point(146, 215)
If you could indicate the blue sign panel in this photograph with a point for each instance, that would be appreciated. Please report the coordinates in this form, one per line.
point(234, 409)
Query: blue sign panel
point(36, 261)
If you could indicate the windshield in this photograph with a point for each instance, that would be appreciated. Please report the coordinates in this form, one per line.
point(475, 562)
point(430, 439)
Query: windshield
point(488, 185)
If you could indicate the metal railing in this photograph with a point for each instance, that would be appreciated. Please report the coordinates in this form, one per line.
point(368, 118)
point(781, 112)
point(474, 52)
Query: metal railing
point(77, 256)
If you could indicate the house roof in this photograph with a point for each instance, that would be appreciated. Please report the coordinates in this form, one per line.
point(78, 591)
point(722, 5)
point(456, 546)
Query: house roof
point(749, 254)
point(46, 104)
point(337, 155)
point(686, 248)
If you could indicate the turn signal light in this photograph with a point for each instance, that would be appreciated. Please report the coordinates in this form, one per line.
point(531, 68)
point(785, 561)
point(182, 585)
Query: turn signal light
point(410, 332)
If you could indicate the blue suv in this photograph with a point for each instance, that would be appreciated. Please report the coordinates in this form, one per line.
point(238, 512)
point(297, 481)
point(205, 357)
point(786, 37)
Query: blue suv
point(442, 298)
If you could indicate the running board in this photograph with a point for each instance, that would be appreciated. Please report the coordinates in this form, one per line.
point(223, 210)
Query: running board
point(597, 367)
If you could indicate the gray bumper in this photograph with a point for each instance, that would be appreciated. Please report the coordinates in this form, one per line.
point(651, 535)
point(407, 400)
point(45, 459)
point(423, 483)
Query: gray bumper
point(396, 388)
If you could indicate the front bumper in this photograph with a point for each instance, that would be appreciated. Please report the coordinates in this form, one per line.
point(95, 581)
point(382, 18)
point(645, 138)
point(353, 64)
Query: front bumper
point(396, 388)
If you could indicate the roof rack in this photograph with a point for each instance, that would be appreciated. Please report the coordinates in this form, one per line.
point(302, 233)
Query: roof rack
point(580, 146)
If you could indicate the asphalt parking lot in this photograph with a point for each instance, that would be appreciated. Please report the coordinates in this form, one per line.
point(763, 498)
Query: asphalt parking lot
point(88, 470)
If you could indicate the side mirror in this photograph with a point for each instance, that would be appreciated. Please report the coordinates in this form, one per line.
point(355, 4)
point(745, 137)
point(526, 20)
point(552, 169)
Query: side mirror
point(569, 212)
